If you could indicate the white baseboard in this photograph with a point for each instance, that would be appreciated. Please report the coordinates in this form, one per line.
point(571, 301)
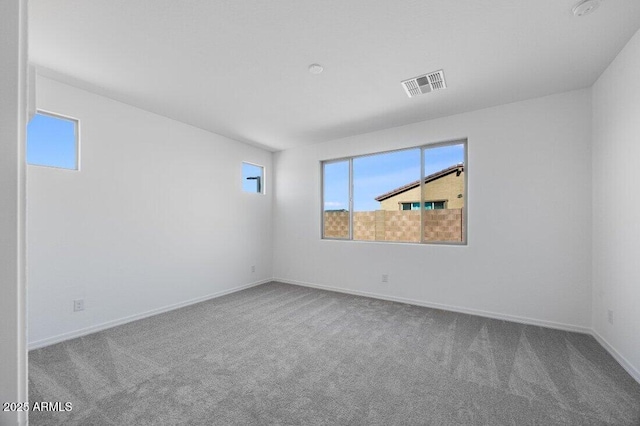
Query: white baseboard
point(478, 312)
point(109, 324)
point(633, 372)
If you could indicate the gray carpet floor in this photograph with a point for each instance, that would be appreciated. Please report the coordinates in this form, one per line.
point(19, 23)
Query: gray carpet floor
point(287, 355)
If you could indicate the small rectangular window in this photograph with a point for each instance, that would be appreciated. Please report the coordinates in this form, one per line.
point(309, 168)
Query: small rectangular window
point(52, 141)
point(434, 205)
point(410, 195)
point(252, 178)
point(428, 205)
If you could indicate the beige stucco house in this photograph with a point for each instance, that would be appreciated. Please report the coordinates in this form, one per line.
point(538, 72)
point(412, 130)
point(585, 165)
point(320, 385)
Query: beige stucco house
point(442, 190)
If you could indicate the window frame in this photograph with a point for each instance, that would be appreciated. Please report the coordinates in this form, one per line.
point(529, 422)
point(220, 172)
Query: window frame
point(350, 167)
point(423, 148)
point(77, 139)
point(263, 186)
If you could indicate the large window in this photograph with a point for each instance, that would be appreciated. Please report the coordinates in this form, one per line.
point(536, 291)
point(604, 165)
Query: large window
point(378, 197)
point(52, 141)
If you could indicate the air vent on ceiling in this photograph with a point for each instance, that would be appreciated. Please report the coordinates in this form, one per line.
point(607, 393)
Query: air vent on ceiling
point(424, 83)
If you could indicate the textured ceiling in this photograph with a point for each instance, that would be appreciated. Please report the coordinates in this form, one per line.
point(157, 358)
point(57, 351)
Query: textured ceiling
point(239, 68)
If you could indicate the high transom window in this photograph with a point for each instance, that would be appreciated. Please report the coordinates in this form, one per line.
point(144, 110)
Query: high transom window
point(52, 141)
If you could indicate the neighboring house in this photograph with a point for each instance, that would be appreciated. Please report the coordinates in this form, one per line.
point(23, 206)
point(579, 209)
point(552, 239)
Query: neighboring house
point(442, 190)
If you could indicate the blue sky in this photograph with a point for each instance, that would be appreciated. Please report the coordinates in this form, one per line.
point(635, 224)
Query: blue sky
point(51, 141)
point(376, 174)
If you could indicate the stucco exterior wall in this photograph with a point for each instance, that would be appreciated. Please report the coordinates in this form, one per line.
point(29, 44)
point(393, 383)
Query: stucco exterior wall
point(445, 188)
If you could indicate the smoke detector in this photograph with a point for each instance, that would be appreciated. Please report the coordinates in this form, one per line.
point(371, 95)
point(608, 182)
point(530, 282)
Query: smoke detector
point(315, 68)
point(585, 7)
point(424, 83)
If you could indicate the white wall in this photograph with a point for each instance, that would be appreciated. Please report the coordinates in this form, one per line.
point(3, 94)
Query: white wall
point(616, 206)
point(529, 198)
point(13, 91)
point(155, 217)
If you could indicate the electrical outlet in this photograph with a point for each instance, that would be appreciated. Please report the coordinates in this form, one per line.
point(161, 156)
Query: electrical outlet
point(610, 316)
point(385, 278)
point(78, 305)
point(253, 268)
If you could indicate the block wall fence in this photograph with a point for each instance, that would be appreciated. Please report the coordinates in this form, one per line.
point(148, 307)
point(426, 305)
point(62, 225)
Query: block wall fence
point(401, 225)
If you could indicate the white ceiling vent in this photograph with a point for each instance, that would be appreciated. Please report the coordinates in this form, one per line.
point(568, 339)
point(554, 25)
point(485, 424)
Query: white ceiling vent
point(424, 83)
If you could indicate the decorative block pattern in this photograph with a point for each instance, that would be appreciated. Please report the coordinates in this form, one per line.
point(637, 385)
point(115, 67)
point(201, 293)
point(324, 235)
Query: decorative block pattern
point(336, 224)
point(364, 226)
point(381, 225)
point(402, 226)
point(443, 225)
